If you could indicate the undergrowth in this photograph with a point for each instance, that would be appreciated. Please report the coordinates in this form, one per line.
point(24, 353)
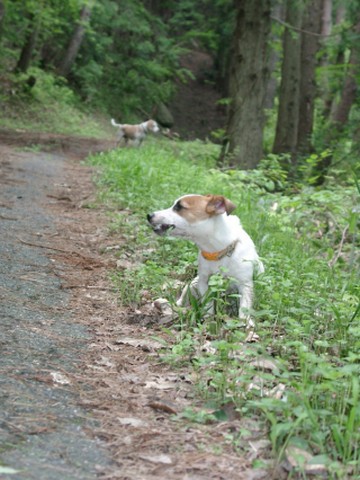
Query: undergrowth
point(302, 375)
point(51, 106)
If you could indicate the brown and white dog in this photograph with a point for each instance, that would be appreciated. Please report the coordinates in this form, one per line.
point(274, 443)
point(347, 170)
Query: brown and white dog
point(135, 133)
point(224, 246)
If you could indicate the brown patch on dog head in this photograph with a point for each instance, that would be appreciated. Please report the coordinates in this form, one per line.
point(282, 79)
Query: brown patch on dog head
point(195, 208)
point(217, 205)
point(152, 126)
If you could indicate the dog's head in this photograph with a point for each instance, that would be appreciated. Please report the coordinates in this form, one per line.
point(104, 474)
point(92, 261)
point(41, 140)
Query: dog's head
point(151, 126)
point(189, 213)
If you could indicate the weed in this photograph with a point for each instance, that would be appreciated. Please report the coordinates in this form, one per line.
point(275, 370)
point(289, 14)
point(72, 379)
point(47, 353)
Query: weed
point(302, 376)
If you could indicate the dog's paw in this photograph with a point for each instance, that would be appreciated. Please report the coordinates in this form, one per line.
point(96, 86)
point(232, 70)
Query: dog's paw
point(163, 308)
point(247, 322)
point(252, 337)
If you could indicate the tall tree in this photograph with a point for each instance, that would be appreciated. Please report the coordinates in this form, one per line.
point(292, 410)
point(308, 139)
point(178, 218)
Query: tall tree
point(330, 87)
point(248, 75)
point(341, 112)
point(310, 43)
point(2, 15)
point(278, 12)
point(288, 112)
point(76, 39)
point(29, 44)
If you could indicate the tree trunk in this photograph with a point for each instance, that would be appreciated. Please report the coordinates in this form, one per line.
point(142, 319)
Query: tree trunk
point(310, 44)
point(66, 64)
point(29, 46)
point(278, 11)
point(341, 113)
point(326, 15)
point(2, 15)
point(287, 121)
point(330, 95)
point(248, 75)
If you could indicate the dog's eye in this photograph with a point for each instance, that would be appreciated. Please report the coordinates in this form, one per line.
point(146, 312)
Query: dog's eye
point(177, 207)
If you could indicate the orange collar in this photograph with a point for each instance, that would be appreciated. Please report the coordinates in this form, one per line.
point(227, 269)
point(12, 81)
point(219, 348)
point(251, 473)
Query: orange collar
point(216, 256)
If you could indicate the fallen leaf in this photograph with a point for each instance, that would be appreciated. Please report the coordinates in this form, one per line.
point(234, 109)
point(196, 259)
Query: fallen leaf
point(252, 337)
point(165, 459)
point(132, 421)
point(163, 405)
point(278, 391)
point(144, 343)
point(159, 384)
point(265, 364)
point(60, 378)
point(297, 458)
point(105, 361)
point(8, 470)
point(208, 348)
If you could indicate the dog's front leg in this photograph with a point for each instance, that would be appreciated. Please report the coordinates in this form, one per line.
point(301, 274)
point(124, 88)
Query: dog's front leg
point(203, 286)
point(120, 137)
point(197, 289)
point(246, 300)
point(189, 290)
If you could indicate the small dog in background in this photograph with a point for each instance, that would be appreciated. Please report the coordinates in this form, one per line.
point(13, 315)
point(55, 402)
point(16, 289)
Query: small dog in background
point(224, 246)
point(135, 133)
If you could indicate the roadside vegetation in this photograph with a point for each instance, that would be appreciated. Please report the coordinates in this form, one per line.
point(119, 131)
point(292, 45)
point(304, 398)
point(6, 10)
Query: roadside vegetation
point(49, 106)
point(287, 156)
point(301, 376)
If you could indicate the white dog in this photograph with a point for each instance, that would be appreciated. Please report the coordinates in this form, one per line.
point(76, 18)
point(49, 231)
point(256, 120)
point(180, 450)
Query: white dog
point(224, 246)
point(135, 133)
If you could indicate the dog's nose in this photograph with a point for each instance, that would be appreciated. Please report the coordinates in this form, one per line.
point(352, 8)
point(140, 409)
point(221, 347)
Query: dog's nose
point(150, 216)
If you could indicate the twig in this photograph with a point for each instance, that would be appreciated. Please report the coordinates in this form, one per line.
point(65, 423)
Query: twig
point(69, 252)
point(308, 32)
point(336, 257)
point(4, 217)
point(43, 246)
point(94, 287)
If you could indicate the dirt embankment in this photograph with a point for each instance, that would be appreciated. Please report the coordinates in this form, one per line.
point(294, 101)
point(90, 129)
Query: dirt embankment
point(83, 392)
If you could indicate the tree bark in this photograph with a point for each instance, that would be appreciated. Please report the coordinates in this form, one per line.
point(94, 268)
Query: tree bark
point(67, 62)
point(29, 46)
point(287, 122)
point(326, 15)
point(248, 75)
point(2, 15)
point(341, 113)
point(278, 11)
point(311, 29)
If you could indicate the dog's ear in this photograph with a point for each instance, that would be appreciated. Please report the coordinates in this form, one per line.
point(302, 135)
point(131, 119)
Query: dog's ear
point(218, 205)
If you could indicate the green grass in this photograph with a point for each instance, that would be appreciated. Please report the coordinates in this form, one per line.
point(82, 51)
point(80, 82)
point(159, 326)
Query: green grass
point(49, 106)
point(307, 302)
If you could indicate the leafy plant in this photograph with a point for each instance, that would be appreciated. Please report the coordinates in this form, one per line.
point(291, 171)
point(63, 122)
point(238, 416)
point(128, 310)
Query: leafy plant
point(302, 375)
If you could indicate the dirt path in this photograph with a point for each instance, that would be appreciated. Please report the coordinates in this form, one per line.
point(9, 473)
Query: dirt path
point(83, 393)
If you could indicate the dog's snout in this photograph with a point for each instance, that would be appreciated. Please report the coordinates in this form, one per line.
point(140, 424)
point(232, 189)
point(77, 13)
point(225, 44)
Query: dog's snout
point(150, 216)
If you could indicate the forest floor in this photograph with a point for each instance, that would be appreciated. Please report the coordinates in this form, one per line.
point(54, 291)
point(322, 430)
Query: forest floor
point(84, 393)
point(196, 106)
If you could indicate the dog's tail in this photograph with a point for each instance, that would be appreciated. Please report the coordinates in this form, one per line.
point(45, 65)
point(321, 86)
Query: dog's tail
point(114, 124)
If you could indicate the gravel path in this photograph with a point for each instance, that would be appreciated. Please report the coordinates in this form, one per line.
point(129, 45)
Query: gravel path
point(83, 391)
point(42, 427)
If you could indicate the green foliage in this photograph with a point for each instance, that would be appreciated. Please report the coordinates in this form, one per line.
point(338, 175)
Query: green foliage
point(127, 61)
point(301, 377)
point(51, 106)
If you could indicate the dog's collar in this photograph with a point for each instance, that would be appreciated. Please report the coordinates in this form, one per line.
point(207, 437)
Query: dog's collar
point(144, 126)
point(216, 256)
